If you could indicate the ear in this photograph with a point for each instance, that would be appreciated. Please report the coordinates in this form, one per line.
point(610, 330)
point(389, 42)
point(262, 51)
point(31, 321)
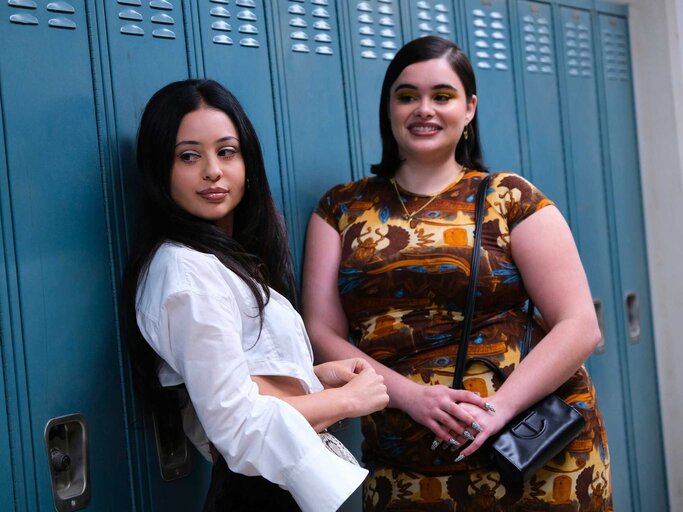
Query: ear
point(471, 107)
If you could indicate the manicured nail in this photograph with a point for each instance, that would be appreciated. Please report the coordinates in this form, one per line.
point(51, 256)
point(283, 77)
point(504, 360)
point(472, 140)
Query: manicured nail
point(489, 407)
point(468, 435)
point(476, 426)
point(459, 458)
point(453, 442)
point(435, 444)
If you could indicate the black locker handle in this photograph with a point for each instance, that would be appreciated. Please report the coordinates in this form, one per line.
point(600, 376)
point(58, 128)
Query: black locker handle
point(633, 317)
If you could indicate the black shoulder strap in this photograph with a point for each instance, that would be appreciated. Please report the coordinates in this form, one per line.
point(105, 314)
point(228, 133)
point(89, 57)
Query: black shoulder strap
point(472, 286)
point(471, 291)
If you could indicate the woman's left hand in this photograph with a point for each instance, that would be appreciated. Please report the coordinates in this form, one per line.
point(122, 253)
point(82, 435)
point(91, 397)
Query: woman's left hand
point(334, 374)
point(490, 423)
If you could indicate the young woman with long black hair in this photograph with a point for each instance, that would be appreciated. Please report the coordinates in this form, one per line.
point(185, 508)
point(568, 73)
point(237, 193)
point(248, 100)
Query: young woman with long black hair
point(208, 292)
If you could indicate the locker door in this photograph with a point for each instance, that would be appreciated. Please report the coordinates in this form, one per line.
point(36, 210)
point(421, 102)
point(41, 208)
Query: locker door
point(488, 37)
point(538, 70)
point(58, 321)
point(372, 37)
point(311, 97)
point(590, 228)
point(234, 46)
point(633, 300)
point(145, 48)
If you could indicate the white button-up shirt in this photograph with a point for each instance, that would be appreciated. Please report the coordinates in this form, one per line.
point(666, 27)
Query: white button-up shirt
point(202, 320)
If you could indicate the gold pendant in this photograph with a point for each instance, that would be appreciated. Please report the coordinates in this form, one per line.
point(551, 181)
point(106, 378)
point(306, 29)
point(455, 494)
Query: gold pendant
point(406, 216)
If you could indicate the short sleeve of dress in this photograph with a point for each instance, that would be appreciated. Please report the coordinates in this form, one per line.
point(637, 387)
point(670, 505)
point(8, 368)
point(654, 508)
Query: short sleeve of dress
point(515, 197)
point(329, 207)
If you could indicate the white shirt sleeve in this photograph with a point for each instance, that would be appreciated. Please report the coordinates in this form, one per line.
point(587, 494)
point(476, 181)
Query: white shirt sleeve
point(199, 336)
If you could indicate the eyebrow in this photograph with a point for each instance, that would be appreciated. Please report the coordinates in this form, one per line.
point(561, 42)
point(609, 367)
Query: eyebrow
point(195, 143)
point(414, 88)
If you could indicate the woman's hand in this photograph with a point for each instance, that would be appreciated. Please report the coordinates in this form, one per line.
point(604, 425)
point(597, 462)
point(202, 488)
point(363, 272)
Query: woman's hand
point(334, 374)
point(365, 393)
point(442, 409)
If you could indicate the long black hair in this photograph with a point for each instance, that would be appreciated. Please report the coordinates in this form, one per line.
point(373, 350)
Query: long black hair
point(257, 251)
point(468, 151)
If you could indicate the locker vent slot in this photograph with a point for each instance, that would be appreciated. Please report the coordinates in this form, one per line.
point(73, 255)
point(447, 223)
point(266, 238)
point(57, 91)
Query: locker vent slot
point(164, 5)
point(23, 4)
point(62, 23)
point(23, 19)
point(62, 7)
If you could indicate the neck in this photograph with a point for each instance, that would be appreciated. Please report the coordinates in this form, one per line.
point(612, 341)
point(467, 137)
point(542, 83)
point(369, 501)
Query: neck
point(430, 180)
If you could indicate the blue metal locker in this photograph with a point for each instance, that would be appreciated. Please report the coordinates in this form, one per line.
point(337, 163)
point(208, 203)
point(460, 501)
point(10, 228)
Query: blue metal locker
point(314, 144)
point(576, 51)
point(59, 323)
point(541, 122)
point(489, 49)
point(628, 238)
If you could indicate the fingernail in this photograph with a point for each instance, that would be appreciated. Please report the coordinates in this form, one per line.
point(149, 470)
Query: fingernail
point(459, 458)
point(489, 407)
point(453, 443)
point(468, 435)
point(476, 426)
point(435, 444)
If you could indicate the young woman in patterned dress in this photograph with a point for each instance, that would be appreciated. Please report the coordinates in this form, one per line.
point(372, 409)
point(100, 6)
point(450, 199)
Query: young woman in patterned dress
point(387, 266)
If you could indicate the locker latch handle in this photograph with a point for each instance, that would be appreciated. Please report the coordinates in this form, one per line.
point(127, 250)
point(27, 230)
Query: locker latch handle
point(633, 317)
point(66, 441)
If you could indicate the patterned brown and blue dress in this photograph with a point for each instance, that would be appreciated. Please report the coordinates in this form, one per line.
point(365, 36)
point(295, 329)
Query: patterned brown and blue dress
point(402, 284)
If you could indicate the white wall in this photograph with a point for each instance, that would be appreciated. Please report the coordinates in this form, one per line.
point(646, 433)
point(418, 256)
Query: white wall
point(656, 27)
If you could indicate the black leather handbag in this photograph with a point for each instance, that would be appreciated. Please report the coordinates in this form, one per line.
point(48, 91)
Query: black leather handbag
point(538, 434)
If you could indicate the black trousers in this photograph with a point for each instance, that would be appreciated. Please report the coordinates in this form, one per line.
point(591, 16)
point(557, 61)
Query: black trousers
point(233, 492)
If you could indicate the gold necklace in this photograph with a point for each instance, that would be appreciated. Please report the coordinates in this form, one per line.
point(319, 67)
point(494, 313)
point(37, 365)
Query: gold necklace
point(408, 215)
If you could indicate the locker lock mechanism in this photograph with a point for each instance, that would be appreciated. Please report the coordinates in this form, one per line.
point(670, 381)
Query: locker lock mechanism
point(66, 441)
point(59, 460)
